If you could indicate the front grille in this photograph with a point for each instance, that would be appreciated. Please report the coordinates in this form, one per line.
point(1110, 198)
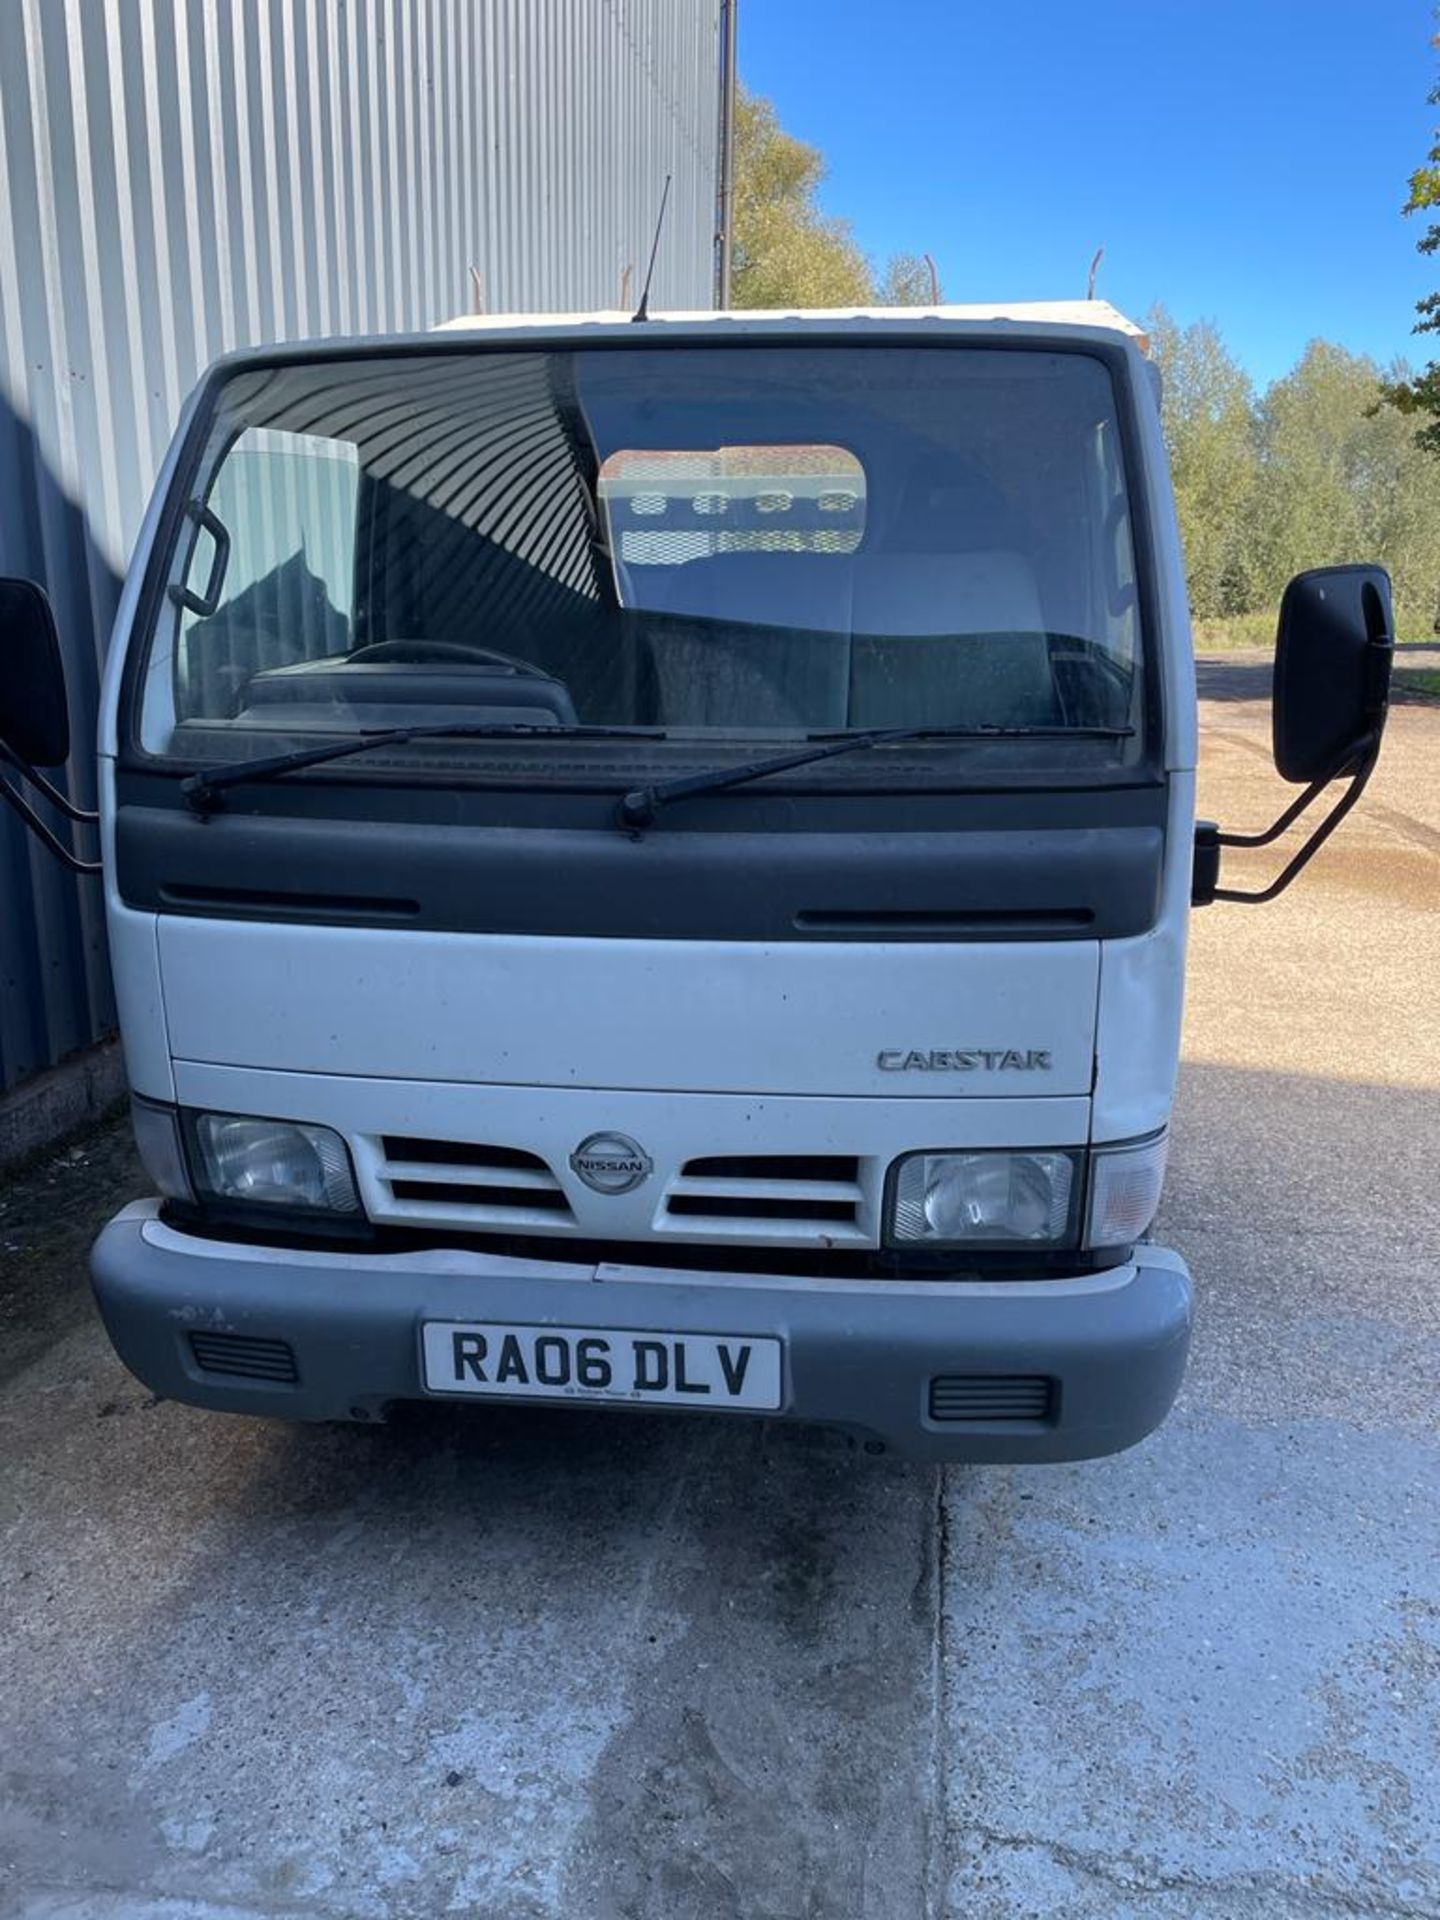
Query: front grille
point(980, 1398)
point(779, 1196)
point(245, 1357)
point(466, 1183)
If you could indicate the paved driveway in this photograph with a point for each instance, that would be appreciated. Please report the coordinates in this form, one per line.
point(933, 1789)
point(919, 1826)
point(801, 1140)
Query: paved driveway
point(648, 1670)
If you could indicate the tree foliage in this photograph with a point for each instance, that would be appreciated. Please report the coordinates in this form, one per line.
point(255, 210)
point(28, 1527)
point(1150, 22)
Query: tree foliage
point(1343, 480)
point(1208, 409)
point(1417, 395)
point(1309, 474)
point(788, 251)
point(906, 282)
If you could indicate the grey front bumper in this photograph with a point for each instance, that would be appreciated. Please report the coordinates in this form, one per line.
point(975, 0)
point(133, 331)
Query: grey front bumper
point(860, 1355)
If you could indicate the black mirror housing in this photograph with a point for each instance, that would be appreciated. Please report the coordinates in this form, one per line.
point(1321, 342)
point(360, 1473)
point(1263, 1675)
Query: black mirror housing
point(1332, 670)
point(34, 719)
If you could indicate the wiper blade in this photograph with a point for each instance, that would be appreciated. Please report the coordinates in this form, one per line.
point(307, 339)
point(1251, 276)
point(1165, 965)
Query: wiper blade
point(636, 810)
point(202, 790)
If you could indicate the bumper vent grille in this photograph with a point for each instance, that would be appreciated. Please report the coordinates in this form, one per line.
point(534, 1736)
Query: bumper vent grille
point(977, 1397)
point(467, 1184)
point(800, 1197)
point(245, 1357)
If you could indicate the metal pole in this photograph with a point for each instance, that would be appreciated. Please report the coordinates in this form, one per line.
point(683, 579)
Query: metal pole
point(725, 167)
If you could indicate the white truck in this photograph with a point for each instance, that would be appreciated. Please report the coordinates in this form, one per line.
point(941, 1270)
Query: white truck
point(648, 866)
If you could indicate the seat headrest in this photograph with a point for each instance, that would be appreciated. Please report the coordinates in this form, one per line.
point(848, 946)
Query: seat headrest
point(772, 589)
point(919, 593)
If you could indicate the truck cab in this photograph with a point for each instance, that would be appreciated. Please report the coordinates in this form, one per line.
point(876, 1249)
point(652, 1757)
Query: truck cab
point(649, 865)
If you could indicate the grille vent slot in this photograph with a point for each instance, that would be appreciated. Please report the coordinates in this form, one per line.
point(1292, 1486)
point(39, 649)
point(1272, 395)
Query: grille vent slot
point(460, 1153)
point(463, 1183)
point(775, 1166)
point(981, 1398)
point(245, 1357)
point(774, 1196)
point(481, 1196)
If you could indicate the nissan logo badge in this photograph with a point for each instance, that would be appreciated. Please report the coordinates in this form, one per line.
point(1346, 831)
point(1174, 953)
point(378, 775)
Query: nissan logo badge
point(611, 1162)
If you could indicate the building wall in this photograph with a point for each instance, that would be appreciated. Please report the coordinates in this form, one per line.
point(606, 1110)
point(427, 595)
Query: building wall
point(178, 177)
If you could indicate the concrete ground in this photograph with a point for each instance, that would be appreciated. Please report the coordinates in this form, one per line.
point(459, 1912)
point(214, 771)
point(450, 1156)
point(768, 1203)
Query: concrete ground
point(633, 1669)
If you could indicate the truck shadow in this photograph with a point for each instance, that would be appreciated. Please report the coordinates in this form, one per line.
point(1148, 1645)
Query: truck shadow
point(553, 1663)
point(57, 993)
point(523, 1440)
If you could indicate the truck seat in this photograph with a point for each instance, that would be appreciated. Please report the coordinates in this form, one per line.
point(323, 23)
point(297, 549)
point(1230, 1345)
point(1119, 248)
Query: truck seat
point(737, 670)
point(948, 638)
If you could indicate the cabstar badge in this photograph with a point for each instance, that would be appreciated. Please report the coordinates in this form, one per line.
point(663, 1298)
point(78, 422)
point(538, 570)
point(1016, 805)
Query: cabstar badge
point(964, 1060)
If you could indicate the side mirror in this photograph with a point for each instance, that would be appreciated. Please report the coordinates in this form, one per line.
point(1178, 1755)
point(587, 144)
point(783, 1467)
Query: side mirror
point(1332, 683)
point(1332, 670)
point(34, 719)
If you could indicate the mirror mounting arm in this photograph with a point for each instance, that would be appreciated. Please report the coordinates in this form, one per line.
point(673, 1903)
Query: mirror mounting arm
point(1333, 655)
point(82, 816)
point(49, 840)
point(1209, 840)
point(1287, 819)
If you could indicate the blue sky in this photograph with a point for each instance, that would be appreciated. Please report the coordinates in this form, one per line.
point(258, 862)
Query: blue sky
point(1244, 161)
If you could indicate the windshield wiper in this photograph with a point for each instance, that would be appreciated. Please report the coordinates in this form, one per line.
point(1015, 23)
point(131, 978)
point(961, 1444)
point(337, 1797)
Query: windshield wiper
point(636, 810)
point(202, 790)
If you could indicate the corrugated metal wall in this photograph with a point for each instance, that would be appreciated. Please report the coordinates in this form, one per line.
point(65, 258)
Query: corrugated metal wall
point(178, 177)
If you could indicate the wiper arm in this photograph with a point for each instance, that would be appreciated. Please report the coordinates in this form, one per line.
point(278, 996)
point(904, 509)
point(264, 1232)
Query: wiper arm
point(202, 790)
point(636, 810)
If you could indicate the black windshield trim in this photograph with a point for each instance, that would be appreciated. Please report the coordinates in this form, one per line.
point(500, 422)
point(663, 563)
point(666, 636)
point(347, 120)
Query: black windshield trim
point(1052, 866)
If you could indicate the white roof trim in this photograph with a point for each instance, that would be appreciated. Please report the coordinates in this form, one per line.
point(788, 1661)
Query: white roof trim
point(1056, 315)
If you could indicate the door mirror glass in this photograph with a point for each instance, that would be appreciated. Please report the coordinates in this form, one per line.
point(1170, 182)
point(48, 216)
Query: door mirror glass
point(34, 720)
point(1332, 669)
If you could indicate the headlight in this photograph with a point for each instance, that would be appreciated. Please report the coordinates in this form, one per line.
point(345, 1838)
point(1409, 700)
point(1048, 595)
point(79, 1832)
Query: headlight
point(1125, 1185)
point(984, 1199)
point(272, 1163)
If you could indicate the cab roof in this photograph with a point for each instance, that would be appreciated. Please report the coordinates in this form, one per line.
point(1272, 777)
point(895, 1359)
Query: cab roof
point(1047, 316)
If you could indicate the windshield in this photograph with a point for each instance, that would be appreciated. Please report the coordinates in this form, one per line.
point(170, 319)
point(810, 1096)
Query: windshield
point(716, 546)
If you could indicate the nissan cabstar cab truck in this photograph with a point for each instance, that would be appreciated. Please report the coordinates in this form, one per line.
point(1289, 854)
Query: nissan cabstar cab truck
point(648, 866)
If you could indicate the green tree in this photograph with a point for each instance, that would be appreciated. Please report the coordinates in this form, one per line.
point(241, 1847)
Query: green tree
point(1208, 410)
point(907, 282)
point(1342, 480)
point(788, 253)
point(1417, 395)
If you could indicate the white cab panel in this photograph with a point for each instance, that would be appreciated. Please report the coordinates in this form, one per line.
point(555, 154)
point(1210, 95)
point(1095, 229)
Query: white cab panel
point(135, 969)
point(718, 1018)
point(1142, 996)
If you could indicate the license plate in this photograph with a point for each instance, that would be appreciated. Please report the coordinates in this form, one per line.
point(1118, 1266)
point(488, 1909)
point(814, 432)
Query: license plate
point(601, 1363)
